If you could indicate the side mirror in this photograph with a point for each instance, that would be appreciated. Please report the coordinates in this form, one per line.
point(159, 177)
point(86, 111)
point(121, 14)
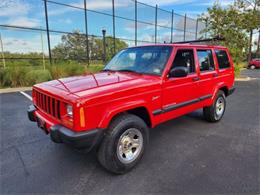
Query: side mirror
point(179, 72)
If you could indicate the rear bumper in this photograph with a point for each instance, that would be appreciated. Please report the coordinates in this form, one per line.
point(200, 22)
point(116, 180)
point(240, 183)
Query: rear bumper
point(231, 90)
point(60, 134)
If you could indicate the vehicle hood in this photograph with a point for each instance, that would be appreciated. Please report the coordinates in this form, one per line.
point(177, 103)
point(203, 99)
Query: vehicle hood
point(79, 85)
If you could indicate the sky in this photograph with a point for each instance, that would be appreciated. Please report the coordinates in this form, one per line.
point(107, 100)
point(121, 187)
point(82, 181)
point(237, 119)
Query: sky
point(30, 13)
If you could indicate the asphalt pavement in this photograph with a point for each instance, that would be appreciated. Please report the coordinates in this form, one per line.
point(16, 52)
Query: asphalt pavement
point(185, 155)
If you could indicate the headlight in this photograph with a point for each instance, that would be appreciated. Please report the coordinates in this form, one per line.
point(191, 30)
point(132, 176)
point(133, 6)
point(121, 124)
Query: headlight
point(69, 110)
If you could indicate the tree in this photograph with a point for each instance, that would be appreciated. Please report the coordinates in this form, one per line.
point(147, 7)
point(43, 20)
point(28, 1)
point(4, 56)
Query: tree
point(233, 24)
point(251, 19)
point(73, 47)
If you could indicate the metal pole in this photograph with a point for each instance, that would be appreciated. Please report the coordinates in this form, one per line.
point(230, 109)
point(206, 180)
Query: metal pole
point(185, 20)
point(197, 24)
point(114, 27)
point(206, 29)
point(104, 45)
point(155, 34)
point(135, 23)
point(258, 43)
point(2, 51)
point(43, 58)
point(172, 26)
point(86, 31)
point(47, 29)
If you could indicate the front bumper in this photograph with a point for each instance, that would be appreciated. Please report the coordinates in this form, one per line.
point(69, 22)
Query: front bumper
point(60, 134)
point(87, 139)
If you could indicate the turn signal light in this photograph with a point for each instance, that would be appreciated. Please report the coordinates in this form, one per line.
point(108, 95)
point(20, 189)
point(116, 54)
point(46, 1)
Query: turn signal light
point(82, 117)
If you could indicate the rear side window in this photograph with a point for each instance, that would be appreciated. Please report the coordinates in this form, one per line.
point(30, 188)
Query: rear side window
point(222, 57)
point(206, 60)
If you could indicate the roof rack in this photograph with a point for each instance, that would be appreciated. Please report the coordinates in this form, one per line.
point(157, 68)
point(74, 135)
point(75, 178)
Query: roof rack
point(217, 38)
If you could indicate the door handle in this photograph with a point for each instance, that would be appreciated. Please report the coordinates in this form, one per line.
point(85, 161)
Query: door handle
point(195, 78)
point(215, 75)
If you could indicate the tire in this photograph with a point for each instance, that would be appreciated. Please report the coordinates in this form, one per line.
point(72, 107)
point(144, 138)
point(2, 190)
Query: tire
point(215, 112)
point(252, 67)
point(124, 144)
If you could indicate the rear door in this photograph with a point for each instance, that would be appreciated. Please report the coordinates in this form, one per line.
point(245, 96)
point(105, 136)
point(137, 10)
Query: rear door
point(225, 66)
point(208, 73)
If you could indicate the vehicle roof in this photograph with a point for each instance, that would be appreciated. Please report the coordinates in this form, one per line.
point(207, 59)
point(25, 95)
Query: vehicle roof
point(185, 45)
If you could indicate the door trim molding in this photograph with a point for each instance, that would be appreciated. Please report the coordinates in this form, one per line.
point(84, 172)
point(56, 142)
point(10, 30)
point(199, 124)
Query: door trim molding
point(180, 105)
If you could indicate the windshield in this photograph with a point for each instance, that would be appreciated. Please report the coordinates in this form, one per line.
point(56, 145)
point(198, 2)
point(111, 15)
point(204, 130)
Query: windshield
point(144, 60)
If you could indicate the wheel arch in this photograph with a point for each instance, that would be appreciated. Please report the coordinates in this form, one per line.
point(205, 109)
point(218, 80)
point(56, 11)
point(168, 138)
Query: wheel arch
point(223, 87)
point(139, 110)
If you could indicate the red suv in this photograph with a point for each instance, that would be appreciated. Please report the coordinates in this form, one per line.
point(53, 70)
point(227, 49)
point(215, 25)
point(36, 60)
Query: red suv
point(254, 63)
point(138, 89)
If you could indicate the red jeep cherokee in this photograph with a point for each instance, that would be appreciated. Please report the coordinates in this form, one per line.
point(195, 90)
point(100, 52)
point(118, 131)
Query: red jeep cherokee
point(138, 89)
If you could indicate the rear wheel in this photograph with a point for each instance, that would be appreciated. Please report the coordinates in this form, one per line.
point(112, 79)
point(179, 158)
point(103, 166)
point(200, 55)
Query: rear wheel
point(124, 144)
point(252, 67)
point(215, 112)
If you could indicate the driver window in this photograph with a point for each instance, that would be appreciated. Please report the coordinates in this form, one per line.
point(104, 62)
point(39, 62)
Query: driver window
point(184, 58)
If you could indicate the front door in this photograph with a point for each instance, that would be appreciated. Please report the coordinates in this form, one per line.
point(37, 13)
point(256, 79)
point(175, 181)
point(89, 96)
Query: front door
point(180, 95)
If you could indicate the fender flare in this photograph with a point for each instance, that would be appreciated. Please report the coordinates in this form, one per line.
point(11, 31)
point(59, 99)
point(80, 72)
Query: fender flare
point(217, 88)
point(114, 110)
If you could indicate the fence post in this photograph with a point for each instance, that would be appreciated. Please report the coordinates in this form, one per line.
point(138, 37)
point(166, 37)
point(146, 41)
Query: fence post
point(2, 50)
point(197, 24)
point(86, 31)
point(104, 45)
point(135, 22)
point(114, 27)
point(47, 29)
point(155, 33)
point(185, 20)
point(172, 26)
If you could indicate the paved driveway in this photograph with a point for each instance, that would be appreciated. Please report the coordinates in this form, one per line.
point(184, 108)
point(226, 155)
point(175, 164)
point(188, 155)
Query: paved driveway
point(186, 155)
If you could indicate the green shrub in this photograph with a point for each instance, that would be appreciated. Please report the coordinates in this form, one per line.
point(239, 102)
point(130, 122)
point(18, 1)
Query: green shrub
point(18, 74)
point(94, 68)
point(37, 76)
point(14, 76)
point(62, 69)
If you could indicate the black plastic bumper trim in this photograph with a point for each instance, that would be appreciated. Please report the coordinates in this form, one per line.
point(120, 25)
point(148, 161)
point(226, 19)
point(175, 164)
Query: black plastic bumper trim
point(231, 90)
point(30, 111)
point(87, 139)
point(180, 105)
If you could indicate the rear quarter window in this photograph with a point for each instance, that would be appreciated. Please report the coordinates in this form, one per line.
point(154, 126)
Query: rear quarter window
point(223, 60)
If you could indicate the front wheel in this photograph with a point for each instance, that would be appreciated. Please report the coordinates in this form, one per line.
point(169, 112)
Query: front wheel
point(124, 144)
point(215, 112)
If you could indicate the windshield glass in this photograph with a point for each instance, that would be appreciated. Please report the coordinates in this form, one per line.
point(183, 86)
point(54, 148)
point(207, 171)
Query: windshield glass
point(145, 60)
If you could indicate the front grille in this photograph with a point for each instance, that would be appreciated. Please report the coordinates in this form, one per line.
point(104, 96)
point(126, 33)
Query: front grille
point(48, 104)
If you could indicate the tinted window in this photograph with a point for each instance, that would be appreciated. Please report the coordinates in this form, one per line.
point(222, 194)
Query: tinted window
point(184, 58)
point(145, 60)
point(205, 60)
point(223, 61)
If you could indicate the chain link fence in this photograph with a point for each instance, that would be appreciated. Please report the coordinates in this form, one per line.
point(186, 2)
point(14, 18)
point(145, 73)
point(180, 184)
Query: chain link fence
point(87, 30)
